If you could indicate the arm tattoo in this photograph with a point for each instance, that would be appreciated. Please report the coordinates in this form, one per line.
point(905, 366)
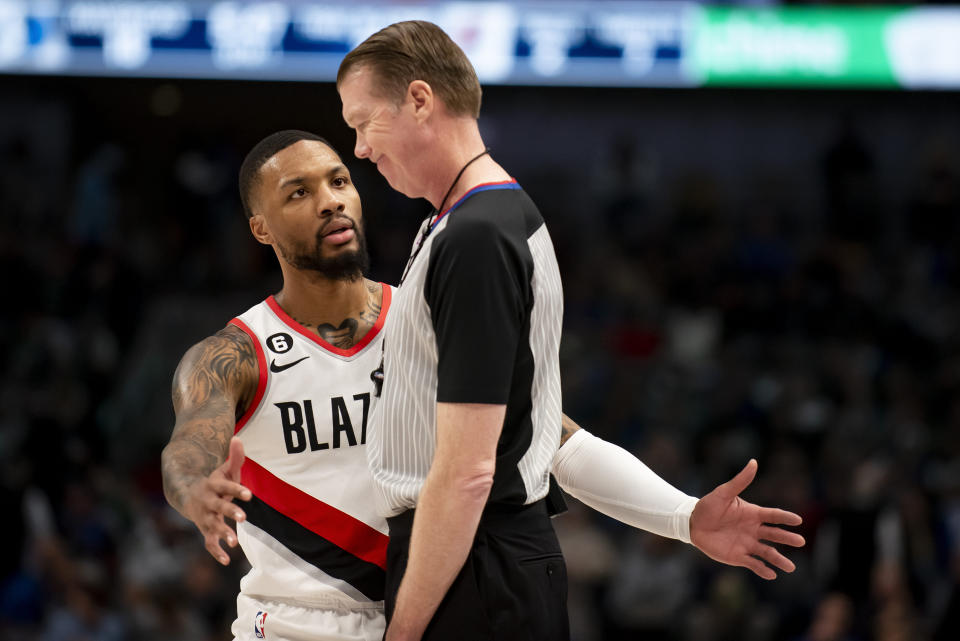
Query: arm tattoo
point(567, 428)
point(212, 387)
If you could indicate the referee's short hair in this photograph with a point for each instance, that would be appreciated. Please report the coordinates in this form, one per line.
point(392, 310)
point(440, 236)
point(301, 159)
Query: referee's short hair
point(418, 50)
point(264, 151)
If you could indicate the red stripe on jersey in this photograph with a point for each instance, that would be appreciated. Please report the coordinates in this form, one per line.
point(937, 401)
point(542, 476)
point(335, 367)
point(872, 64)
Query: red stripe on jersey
point(261, 383)
point(300, 329)
point(341, 529)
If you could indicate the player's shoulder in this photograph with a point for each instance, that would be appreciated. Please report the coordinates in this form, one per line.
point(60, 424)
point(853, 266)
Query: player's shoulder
point(229, 347)
point(229, 338)
point(223, 365)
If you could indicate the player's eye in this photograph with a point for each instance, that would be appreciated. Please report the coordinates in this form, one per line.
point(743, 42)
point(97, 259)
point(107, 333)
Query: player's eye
point(341, 181)
point(299, 193)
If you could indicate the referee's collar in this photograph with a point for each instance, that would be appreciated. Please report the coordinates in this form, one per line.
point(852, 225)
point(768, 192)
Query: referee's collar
point(505, 184)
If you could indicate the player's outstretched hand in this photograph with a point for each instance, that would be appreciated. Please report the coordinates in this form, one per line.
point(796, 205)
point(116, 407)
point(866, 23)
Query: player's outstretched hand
point(730, 530)
point(211, 499)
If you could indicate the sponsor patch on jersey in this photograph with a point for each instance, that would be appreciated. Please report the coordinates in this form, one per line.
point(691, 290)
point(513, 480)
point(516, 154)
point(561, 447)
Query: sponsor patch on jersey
point(258, 623)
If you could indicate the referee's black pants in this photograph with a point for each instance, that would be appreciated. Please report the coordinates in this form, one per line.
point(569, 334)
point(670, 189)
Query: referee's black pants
point(513, 586)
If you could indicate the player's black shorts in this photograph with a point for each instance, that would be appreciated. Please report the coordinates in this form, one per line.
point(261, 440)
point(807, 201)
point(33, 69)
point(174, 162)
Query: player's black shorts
point(513, 586)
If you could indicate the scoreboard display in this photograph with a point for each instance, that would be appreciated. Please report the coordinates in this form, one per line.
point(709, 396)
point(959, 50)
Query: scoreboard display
point(599, 44)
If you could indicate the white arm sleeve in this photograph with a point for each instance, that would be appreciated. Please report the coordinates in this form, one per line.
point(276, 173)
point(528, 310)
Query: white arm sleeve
point(612, 481)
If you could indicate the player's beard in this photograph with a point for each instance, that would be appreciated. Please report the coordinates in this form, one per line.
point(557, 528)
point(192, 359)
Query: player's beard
point(348, 265)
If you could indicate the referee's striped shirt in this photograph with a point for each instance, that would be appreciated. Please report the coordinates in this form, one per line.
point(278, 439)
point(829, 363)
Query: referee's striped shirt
point(477, 320)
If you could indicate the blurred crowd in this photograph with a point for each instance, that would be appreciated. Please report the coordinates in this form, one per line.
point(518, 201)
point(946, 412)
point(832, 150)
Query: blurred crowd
point(704, 325)
point(826, 346)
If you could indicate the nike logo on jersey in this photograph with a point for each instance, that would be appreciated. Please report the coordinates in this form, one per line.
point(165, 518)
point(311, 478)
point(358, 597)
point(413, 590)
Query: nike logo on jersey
point(276, 369)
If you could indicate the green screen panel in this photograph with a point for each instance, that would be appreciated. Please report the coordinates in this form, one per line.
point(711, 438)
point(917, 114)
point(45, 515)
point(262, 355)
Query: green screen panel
point(794, 46)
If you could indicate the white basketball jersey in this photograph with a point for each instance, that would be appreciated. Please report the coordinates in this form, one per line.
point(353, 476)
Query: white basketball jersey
point(312, 533)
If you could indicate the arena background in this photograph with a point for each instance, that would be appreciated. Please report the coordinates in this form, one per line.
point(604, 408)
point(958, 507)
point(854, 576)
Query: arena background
point(749, 272)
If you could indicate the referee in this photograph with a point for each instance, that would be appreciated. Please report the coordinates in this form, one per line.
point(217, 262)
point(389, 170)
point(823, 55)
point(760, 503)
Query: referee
point(462, 440)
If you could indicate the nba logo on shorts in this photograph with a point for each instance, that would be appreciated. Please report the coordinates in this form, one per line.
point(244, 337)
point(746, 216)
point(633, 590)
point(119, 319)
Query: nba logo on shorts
point(258, 622)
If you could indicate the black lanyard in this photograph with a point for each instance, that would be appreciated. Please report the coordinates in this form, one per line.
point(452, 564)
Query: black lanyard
point(377, 375)
point(435, 215)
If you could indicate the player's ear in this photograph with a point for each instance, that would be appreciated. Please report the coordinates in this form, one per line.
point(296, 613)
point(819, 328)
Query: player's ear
point(420, 95)
point(259, 229)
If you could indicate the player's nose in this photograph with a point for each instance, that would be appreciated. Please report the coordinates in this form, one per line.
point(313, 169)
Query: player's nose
point(330, 203)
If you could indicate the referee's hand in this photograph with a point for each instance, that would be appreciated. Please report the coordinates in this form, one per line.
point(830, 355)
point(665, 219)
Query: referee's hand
point(733, 531)
point(210, 499)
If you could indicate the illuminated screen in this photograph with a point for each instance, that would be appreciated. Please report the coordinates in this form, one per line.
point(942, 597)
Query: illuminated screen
point(537, 43)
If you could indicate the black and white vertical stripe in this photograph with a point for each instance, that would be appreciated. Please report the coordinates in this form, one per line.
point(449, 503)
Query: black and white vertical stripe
point(403, 427)
point(399, 450)
point(546, 324)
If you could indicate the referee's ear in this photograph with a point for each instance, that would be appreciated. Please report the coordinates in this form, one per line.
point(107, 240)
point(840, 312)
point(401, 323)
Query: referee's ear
point(420, 95)
point(259, 229)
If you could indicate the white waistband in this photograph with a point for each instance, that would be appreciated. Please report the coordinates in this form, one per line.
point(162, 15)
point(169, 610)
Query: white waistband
point(320, 602)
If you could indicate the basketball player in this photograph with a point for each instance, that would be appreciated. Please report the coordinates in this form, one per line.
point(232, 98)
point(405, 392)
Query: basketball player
point(273, 410)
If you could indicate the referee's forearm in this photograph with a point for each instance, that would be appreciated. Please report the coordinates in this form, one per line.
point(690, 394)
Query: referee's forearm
point(448, 511)
point(444, 527)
